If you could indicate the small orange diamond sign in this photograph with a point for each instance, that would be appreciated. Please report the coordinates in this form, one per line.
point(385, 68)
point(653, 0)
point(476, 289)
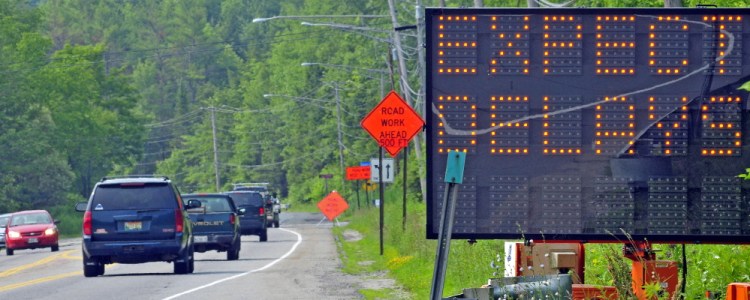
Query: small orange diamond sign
point(332, 205)
point(392, 123)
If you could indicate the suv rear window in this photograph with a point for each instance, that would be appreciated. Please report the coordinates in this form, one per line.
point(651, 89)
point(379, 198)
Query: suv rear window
point(247, 199)
point(133, 196)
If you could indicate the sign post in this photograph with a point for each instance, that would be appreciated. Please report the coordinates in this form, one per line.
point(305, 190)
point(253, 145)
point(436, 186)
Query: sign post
point(325, 179)
point(392, 123)
point(356, 174)
point(454, 174)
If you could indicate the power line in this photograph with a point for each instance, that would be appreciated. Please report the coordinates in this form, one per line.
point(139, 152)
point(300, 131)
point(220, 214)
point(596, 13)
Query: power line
point(179, 119)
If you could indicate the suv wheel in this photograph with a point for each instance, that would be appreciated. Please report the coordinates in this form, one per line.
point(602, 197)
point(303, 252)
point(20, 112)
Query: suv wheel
point(55, 248)
point(92, 267)
point(263, 235)
point(182, 264)
point(8, 251)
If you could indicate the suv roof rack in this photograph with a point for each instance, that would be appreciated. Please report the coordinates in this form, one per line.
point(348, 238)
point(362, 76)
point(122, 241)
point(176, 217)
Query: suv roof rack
point(134, 176)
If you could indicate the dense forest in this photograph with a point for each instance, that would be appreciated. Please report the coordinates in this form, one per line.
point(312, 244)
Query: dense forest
point(199, 92)
point(142, 87)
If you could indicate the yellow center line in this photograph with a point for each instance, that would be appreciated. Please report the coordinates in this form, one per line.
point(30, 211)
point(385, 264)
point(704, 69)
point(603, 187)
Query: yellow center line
point(40, 262)
point(67, 255)
point(38, 280)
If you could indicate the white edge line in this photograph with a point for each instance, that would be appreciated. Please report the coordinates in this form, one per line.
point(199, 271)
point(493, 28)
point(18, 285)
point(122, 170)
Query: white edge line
point(299, 240)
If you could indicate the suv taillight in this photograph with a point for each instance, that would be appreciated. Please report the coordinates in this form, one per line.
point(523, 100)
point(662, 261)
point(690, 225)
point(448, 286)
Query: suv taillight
point(231, 219)
point(261, 211)
point(178, 220)
point(87, 223)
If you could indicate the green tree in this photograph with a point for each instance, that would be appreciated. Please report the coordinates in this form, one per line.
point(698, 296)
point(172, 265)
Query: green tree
point(33, 173)
point(94, 115)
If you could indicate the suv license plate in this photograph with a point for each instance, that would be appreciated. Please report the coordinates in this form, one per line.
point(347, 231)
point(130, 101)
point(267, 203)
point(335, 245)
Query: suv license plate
point(133, 225)
point(200, 239)
point(33, 241)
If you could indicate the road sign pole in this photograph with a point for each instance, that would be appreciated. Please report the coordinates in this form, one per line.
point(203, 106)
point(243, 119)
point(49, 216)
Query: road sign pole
point(406, 162)
point(454, 173)
point(356, 188)
point(382, 197)
point(367, 194)
point(444, 241)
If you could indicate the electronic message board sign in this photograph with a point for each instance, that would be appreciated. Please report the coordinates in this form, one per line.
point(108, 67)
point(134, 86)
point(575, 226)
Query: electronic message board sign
point(591, 124)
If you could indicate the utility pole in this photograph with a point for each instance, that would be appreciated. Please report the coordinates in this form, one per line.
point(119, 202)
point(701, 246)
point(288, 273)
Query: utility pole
point(422, 93)
point(340, 140)
point(407, 93)
point(216, 149)
point(672, 3)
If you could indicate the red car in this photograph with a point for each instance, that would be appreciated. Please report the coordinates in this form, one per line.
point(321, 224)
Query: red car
point(30, 229)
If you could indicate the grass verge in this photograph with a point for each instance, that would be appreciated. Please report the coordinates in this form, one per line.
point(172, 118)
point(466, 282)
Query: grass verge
point(408, 257)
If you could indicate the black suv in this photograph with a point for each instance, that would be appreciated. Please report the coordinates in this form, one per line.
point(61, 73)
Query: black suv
point(254, 220)
point(134, 220)
point(273, 208)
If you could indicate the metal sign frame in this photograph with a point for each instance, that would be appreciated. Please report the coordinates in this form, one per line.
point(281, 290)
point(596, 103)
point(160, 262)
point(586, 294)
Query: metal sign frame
point(510, 86)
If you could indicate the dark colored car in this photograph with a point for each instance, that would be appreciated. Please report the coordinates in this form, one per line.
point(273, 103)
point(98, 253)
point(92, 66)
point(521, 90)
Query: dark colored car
point(254, 220)
point(273, 208)
point(216, 224)
point(136, 220)
point(31, 229)
point(3, 223)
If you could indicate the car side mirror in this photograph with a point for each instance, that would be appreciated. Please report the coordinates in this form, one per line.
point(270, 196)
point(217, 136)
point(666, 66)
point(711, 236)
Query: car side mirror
point(241, 211)
point(81, 206)
point(56, 222)
point(192, 203)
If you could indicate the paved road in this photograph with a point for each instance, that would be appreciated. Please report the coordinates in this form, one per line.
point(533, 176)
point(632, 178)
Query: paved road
point(299, 261)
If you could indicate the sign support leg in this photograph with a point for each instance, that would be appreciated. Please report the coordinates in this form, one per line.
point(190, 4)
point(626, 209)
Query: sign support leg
point(367, 193)
point(356, 188)
point(444, 241)
point(406, 162)
point(382, 197)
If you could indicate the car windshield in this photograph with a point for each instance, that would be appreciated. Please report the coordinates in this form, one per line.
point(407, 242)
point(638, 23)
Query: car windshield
point(29, 219)
point(247, 199)
point(133, 196)
point(212, 204)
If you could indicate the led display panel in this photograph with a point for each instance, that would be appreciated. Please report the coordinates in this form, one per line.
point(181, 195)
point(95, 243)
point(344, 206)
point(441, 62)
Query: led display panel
point(593, 125)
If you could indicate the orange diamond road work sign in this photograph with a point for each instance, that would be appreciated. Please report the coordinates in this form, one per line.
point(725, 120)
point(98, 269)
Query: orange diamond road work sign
point(358, 173)
point(392, 123)
point(332, 205)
